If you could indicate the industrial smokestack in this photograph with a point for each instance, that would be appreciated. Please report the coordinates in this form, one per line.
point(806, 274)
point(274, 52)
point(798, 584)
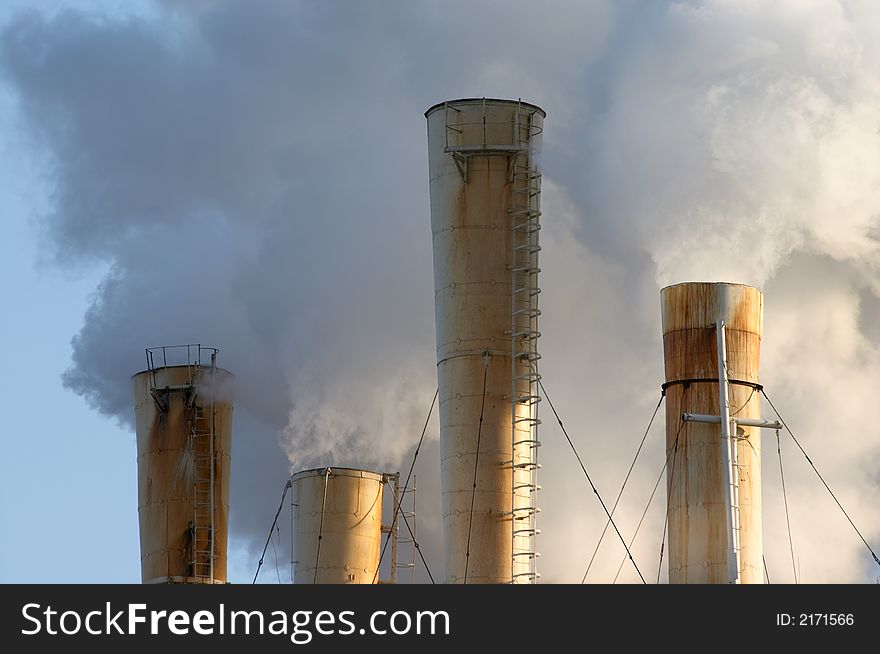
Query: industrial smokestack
point(714, 524)
point(337, 525)
point(184, 439)
point(485, 210)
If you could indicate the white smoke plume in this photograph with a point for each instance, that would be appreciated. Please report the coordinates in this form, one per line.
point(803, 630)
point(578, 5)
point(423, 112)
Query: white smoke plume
point(254, 177)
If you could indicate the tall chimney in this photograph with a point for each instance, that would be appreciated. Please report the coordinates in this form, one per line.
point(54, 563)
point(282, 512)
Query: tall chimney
point(485, 211)
point(699, 505)
point(184, 439)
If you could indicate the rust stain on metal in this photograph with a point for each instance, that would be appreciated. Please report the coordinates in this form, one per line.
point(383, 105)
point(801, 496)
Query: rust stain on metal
point(166, 471)
point(697, 506)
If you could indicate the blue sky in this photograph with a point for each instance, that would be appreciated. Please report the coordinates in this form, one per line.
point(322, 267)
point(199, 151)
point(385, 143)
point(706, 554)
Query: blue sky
point(68, 483)
point(67, 470)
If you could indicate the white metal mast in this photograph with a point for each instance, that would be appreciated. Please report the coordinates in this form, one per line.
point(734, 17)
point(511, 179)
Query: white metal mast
point(728, 458)
point(729, 454)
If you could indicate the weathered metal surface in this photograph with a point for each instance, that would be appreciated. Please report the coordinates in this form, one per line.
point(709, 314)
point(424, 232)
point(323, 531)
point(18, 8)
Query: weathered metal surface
point(472, 243)
point(165, 460)
point(696, 495)
point(348, 519)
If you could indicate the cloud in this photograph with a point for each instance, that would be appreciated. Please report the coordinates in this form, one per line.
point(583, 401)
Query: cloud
point(254, 178)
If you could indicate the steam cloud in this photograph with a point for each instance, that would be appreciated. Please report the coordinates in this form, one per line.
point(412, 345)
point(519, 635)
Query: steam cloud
point(254, 177)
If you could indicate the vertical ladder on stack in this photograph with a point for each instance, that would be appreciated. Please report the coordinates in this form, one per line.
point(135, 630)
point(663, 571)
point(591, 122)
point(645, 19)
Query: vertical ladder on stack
point(201, 417)
point(729, 457)
point(525, 213)
point(407, 539)
point(392, 480)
